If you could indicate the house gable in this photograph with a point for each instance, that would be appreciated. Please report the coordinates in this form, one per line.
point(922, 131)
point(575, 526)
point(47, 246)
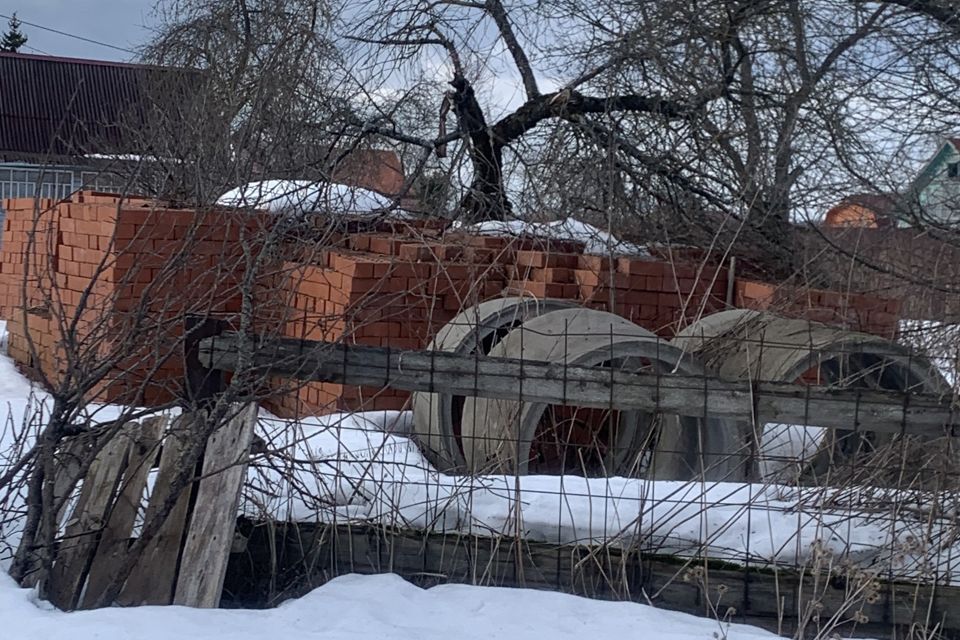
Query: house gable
point(936, 189)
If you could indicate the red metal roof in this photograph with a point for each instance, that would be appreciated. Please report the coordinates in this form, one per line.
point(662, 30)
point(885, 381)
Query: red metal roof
point(64, 107)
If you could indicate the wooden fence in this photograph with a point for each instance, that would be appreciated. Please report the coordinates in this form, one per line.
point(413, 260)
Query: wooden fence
point(282, 560)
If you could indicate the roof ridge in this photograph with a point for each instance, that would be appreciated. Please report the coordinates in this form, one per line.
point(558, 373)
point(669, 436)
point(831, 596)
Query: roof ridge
point(83, 61)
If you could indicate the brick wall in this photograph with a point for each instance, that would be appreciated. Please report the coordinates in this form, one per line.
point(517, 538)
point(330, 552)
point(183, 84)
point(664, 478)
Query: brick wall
point(920, 268)
point(392, 286)
point(857, 311)
point(105, 272)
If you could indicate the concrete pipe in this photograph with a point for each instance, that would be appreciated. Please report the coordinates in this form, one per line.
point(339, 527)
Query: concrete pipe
point(502, 436)
point(436, 416)
point(752, 345)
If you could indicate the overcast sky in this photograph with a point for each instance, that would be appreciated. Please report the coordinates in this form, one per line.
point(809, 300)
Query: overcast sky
point(121, 23)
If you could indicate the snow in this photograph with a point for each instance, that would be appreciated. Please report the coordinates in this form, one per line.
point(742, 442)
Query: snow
point(785, 447)
point(595, 239)
point(121, 157)
point(382, 606)
point(361, 468)
point(302, 196)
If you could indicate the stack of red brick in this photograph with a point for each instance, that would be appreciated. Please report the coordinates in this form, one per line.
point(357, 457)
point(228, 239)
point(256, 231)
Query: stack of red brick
point(863, 312)
point(397, 289)
point(113, 279)
point(138, 262)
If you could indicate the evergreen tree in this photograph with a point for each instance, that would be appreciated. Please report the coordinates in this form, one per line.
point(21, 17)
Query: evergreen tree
point(13, 39)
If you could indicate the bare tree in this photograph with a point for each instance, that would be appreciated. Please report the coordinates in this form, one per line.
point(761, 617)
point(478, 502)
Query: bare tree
point(263, 93)
point(116, 331)
point(749, 112)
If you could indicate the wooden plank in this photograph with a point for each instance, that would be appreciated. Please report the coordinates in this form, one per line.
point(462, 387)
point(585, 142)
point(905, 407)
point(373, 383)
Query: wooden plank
point(70, 459)
point(210, 538)
point(152, 581)
point(69, 467)
point(115, 538)
point(90, 515)
point(202, 383)
point(881, 411)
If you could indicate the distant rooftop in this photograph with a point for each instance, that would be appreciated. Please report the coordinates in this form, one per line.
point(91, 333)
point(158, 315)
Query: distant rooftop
point(54, 107)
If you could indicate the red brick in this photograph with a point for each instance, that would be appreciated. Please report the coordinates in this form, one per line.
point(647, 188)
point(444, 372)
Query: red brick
point(684, 270)
point(635, 266)
point(559, 275)
point(359, 242)
point(668, 300)
point(415, 253)
point(385, 246)
point(754, 290)
point(533, 259)
point(588, 278)
point(830, 299)
point(89, 227)
point(883, 319)
point(452, 252)
point(483, 255)
point(318, 290)
point(597, 264)
point(492, 242)
point(363, 285)
point(594, 294)
point(125, 231)
point(685, 286)
point(494, 288)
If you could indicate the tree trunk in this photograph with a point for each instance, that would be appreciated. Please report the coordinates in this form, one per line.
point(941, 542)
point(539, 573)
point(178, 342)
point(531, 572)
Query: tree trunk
point(772, 239)
point(486, 198)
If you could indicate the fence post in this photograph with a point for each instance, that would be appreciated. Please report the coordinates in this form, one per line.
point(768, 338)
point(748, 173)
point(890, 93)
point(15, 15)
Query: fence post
point(201, 383)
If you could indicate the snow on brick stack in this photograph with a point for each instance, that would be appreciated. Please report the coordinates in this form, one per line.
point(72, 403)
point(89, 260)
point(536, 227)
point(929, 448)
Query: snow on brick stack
point(393, 287)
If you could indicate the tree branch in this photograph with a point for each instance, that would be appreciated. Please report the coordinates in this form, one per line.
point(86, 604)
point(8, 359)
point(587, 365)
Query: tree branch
point(567, 103)
point(496, 10)
point(946, 12)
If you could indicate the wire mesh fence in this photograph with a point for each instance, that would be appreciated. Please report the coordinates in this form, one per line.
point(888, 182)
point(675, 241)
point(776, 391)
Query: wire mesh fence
point(701, 506)
point(741, 464)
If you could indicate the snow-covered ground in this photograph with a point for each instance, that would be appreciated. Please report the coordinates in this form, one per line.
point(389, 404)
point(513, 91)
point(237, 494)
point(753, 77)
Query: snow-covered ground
point(380, 607)
point(361, 468)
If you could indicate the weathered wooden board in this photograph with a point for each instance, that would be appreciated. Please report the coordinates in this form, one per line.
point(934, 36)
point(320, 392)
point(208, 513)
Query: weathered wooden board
point(69, 469)
point(90, 515)
point(152, 581)
point(119, 529)
point(210, 537)
point(292, 558)
point(471, 375)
